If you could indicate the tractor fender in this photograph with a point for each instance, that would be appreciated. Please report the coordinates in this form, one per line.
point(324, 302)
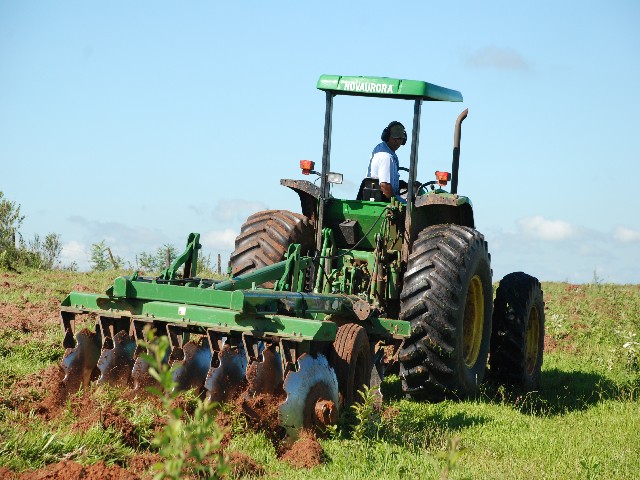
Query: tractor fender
point(309, 196)
point(434, 209)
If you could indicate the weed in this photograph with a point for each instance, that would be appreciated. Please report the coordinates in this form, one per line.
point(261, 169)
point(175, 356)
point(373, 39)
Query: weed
point(632, 350)
point(450, 457)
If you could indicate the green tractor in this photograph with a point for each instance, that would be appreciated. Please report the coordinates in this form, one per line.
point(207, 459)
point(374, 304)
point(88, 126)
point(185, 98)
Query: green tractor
point(326, 301)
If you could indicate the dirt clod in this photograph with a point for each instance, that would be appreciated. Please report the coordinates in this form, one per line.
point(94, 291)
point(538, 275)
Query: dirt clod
point(243, 466)
point(128, 431)
point(306, 452)
point(66, 470)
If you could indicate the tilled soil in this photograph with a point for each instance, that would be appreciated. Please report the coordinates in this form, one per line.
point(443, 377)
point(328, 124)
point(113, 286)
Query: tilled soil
point(71, 470)
point(44, 394)
point(306, 452)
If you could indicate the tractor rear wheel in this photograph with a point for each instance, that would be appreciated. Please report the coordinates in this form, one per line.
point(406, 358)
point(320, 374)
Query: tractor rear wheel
point(265, 237)
point(447, 298)
point(517, 340)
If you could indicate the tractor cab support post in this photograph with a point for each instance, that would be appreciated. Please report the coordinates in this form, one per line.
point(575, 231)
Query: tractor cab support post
point(324, 184)
point(413, 168)
point(326, 153)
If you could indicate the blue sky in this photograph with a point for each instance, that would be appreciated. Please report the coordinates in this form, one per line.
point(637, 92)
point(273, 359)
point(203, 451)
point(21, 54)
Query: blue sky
point(139, 122)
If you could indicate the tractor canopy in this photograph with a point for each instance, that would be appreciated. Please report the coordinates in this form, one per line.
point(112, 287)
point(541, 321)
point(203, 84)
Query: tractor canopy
point(387, 87)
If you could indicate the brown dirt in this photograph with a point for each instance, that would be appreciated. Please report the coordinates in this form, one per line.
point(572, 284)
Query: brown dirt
point(30, 318)
point(263, 414)
point(48, 385)
point(31, 390)
point(67, 470)
point(225, 422)
point(56, 399)
point(128, 431)
point(550, 344)
point(243, 466)
point(140, 464)
point(389, 413)
point(7, 474)
point(306, 452)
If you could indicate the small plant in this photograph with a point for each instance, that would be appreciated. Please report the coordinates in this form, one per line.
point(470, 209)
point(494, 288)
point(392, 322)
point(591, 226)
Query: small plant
point(590, 467)
point(367, 415)
point(190, 447)
point(450, 457)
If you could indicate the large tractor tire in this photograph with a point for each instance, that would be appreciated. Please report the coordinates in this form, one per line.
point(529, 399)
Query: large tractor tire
point(517, 340)
point(447, 298)
point(265, 237)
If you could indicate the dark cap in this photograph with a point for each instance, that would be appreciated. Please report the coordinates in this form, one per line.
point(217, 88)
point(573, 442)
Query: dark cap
point(397, 131)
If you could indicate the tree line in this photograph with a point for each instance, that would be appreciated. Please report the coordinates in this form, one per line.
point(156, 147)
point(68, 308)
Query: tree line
point(44, 253)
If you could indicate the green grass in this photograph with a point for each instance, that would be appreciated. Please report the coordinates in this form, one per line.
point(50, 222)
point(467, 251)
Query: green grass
point(583, 423)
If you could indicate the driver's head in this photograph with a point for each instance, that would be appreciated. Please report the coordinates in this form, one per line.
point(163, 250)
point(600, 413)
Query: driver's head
point(394, 135)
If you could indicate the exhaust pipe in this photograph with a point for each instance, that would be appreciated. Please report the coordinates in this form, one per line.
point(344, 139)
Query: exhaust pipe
point(456, 151)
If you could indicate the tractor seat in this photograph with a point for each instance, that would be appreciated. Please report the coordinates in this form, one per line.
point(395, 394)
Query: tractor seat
point(370, 191)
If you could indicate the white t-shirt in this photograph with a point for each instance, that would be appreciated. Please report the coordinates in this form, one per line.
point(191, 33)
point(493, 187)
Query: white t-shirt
point(384, 166)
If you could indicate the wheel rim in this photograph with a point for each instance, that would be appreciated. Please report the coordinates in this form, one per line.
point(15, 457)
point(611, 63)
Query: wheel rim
point(473, 322)
point(532, 346)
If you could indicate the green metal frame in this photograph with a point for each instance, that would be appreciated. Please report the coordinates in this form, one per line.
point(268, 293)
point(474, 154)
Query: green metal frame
point(231, 306)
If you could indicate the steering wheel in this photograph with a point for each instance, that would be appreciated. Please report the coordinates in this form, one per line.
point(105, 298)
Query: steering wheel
point(420, 188)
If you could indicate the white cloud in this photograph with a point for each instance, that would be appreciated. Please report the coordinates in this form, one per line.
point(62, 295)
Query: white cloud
point(497, 58)
point(229, 210)
point(77, 252)
point(542, 229)
point(219, 241)
point(117, 231)
point(626, 235)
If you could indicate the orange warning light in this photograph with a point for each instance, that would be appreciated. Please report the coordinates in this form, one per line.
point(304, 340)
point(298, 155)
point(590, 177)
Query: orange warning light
point(307, 166)
point(443, 178)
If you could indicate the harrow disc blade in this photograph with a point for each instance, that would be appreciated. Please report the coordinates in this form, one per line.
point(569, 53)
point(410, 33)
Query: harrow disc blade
point(192, 370)
point(140, 374)
point(226, 380)
point(312, 396)
point(79, 363)
point(265, 376)
point(115, 363)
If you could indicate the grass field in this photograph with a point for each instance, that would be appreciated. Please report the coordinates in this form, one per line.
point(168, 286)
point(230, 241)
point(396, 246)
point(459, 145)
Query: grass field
point(583, 423)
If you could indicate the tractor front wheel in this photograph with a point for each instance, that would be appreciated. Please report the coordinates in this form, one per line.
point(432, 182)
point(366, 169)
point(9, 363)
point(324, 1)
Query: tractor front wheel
point(447, 298)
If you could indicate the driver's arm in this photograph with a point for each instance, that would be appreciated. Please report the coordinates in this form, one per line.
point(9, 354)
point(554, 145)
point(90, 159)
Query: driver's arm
point(386, 189)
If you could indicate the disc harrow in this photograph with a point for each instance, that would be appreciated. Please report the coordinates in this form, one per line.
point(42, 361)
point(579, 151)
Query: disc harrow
point(217, 367)
point(229, 340)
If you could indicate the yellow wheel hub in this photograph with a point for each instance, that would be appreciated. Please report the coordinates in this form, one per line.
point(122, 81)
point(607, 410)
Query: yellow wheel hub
point(473, 322)
point(532, 345)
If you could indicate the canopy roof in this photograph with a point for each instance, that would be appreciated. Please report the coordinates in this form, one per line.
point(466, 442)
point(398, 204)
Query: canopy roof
point(387, 88)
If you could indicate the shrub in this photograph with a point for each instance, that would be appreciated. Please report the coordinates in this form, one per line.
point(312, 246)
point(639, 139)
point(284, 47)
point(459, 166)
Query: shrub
point(14, 251)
